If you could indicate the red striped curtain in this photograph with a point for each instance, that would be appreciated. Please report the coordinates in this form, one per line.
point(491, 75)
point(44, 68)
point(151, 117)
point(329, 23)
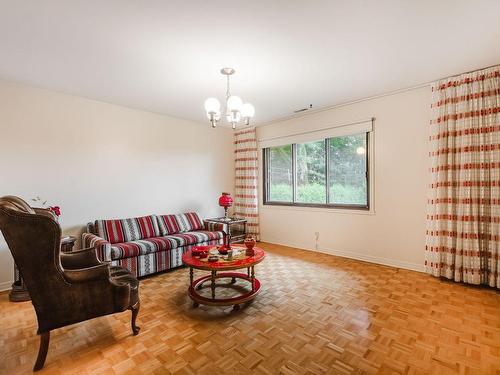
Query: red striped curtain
point(463, 220)
point(246, 174)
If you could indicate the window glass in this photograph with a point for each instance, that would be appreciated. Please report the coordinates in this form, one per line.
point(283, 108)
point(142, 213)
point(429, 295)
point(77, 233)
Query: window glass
point(347, 168)
point(311, 172)
point(280, 174)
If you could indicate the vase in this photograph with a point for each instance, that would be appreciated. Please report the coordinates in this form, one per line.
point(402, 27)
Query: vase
point(249, 243)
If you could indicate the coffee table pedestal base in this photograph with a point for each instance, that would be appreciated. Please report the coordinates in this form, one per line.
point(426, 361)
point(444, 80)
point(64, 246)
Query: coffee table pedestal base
point(235, 301)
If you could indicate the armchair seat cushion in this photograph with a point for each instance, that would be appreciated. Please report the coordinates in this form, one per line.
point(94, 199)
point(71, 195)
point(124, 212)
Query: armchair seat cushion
point(152, 245)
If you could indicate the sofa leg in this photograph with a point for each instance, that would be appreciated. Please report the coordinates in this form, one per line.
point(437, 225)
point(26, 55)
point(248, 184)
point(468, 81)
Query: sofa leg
point(42, 351)
point(135, 312)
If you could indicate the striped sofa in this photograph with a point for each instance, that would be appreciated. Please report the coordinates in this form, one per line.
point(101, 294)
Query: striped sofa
point(150, 244)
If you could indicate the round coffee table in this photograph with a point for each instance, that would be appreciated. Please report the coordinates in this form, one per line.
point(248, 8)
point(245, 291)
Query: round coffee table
point(219, 270)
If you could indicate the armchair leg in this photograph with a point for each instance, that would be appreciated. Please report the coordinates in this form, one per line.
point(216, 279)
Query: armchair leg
point(42, 351)
point(135, 312)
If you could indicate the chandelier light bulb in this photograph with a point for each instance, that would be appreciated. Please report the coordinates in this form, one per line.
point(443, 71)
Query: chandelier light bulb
point(234, 103)
point(247, 111)
point(212, 106)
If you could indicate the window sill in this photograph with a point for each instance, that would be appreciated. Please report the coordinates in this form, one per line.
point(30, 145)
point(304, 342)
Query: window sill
point(332, 210)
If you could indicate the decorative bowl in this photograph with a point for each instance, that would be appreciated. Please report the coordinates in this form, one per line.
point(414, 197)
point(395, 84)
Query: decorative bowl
point(223, 249)
point(199, 252)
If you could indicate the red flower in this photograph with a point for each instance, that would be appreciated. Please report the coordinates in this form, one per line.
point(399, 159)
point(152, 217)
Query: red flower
point(56, 210)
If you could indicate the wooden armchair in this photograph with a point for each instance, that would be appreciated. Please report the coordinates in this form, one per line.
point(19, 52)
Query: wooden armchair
point(65, 288)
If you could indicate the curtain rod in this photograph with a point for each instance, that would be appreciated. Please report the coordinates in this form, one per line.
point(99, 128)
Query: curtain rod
point(399, 91)
point(459, 74)
point(318, 130)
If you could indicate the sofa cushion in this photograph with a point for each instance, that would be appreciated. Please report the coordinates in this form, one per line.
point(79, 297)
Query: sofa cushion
point(139, 247)
point(125, 230)
point(193, 238)
point(179, 223)
point(151, 245)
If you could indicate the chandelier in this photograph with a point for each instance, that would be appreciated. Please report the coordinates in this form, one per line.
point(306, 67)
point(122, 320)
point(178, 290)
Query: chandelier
point(236, 110)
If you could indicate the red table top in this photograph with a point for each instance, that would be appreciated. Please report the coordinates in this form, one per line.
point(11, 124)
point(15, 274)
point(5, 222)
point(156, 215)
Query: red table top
point(195, 262)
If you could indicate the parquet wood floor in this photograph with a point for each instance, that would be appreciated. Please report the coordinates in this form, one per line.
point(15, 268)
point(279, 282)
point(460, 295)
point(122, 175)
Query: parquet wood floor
point(316, 314)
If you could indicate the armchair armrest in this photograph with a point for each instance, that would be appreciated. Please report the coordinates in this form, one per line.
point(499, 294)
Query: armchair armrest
point(82, 275)
point(80, 259)
point(103, 247)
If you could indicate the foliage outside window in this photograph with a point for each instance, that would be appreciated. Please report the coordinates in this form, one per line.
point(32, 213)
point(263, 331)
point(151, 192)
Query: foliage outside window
point(280, 165)
point(332, 172)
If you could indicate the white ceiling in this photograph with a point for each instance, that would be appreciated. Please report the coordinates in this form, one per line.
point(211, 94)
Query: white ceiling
point(165, 56)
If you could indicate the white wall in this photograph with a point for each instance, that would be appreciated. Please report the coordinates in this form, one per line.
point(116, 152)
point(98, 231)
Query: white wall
point(98, 160)
point(394, 233)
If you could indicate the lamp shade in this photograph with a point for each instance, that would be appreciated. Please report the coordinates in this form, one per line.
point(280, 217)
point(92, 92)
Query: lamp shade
point(212, 105)
point(225, 200)
point(247, 110)
point(234, 103)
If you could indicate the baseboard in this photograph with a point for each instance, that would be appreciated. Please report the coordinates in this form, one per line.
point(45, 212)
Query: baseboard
point(352, 255)
point(6, 285)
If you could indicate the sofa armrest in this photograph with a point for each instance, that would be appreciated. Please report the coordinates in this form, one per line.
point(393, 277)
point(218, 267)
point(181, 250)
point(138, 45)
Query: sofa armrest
point(215, 227)
point(103, 247)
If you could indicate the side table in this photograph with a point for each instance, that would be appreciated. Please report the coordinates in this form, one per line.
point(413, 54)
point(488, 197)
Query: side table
point(236, 227)
point(19, 292)
point(67, 244)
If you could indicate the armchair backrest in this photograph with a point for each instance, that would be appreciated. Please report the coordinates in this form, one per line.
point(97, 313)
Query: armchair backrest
point(34, 239)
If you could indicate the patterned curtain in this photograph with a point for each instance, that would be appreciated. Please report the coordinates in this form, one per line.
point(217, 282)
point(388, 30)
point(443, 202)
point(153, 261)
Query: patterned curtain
point(463, 220)
point(246, 172)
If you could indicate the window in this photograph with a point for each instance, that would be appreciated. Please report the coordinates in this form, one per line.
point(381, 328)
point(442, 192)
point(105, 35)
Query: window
point(332, 172)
